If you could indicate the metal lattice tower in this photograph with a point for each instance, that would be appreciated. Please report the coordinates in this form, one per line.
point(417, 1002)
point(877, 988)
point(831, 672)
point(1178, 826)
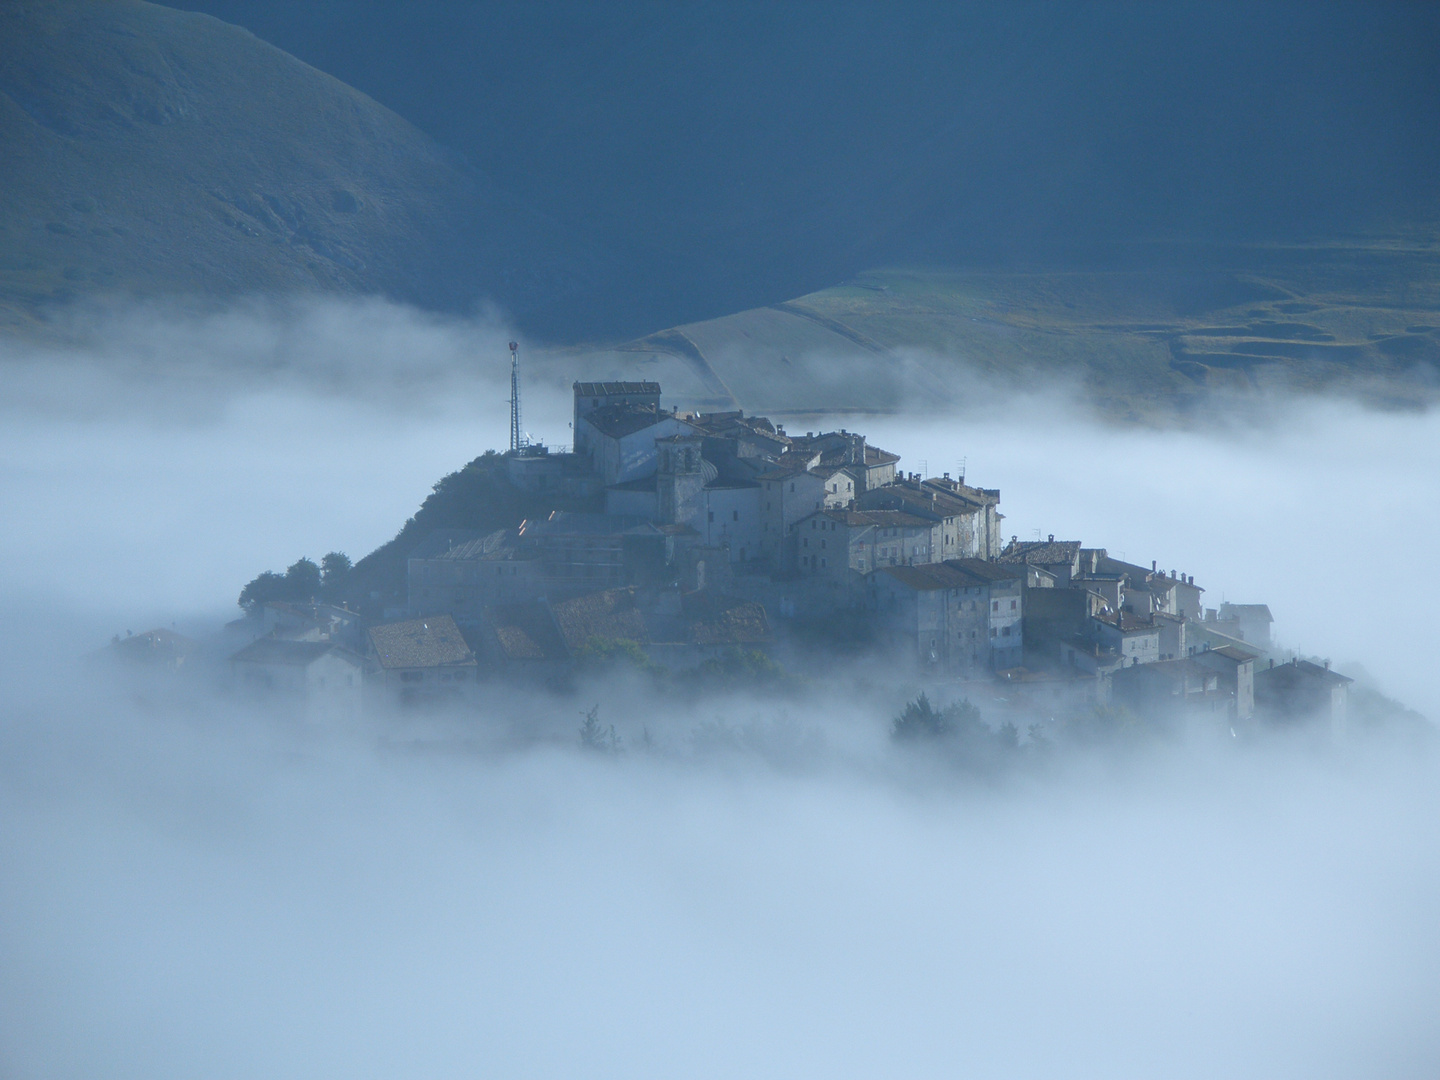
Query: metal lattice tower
point(516, 440)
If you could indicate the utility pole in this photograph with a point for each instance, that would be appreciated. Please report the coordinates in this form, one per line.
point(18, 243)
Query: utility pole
point(515, 436)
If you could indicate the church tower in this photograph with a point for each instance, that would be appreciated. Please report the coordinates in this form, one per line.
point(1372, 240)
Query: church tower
point(681, 477)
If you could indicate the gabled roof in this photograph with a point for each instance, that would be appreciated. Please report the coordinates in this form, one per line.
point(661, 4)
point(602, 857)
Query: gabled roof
point(928, 577)
point(610, 614)
point(712, 620)
point(1253, 611)
point(441, 541)
point(290, 653)
point(1043, 552)
point(432, 642)
point(929, 501)
point(526, 631)
point(1126, 622)
point(1298, 673)
point(499, 544)
point(985, 570)
point(1229, 652)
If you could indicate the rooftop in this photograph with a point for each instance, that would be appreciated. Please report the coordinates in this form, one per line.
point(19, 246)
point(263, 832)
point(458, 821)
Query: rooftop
point(271, 650)
point(604, 389)
point(432, 642)
point(610, 614)
point(1299, 672)
point(928, 577)
point(526, 631)
point(985, 570)
point(1045, 552)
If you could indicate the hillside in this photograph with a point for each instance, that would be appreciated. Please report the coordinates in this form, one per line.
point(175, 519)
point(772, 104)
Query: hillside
point(1144, 342)
point(148, 150)
point(737, 153)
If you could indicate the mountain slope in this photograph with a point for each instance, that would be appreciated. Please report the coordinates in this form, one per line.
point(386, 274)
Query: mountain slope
point(742, 151)
point(1143, 341)
point(156, 151)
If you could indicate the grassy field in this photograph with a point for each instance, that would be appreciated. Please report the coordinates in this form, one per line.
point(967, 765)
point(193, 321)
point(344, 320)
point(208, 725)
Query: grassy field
point(1145, 343)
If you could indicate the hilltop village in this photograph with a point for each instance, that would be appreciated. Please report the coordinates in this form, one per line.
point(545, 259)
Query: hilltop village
point(717, 535)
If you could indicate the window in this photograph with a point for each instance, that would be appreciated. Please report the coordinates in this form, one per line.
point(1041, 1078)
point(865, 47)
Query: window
point(824, 562)
point(1012, 605)
point(805, 541)
point(995, 605)
point(792, 485)
point(822, 543)
point(860, 563)
point(767, 507)
point(992, 631)
point(735, 516)
point(1005, 632)
point(712, 515)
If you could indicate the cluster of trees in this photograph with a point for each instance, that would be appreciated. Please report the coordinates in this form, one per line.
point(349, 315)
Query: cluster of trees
point(958, 731)
point(303, 581)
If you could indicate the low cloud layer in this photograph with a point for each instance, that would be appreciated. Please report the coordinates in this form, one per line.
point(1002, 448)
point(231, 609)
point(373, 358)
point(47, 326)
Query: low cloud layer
point(194, 888)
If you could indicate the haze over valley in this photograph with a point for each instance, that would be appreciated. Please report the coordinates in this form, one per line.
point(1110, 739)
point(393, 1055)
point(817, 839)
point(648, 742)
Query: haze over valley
point(718, 539)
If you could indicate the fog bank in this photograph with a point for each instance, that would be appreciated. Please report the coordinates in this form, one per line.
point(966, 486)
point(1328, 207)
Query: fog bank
point(190, 888)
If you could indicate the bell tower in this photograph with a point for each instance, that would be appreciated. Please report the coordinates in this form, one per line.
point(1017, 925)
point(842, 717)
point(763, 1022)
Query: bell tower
point(680, 478)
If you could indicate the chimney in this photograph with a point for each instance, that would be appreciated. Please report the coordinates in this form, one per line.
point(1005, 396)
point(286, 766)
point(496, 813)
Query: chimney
point(1152, 565)
point(1272, 661)
point(1052, 538)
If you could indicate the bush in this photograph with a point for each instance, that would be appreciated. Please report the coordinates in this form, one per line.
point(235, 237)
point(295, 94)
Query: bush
point(598, 738)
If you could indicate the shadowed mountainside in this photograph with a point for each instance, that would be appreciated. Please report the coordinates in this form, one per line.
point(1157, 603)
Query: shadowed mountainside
point(148, 150)
point(739, 153)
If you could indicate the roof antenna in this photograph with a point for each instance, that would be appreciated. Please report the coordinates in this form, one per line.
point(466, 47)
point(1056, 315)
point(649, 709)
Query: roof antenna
point(516, 440)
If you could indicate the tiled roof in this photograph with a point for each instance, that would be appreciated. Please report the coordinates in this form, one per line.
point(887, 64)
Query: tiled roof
point(1044, 552)
point(499, 544)
point(716, 621)
point(917, 498)
point(611, 615)
point(1299, 672)
point(1254, 611)
point(985, 570)
point(431, 642)
point(928, 577)
point(526, 631)
point(441, 541)
point(604, 389)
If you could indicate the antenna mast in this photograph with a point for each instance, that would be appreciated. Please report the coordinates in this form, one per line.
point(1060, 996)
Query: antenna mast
point(515, 436)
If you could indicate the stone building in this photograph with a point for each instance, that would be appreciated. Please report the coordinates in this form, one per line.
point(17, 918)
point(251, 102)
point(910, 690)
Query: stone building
point(420, 660)
point(958, 616)
point(967, 519)
point(321, 678)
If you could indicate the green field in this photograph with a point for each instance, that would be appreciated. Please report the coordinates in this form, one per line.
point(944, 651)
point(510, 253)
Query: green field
point(1359, 317)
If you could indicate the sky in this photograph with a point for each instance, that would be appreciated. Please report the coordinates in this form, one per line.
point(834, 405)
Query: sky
point(196, 887)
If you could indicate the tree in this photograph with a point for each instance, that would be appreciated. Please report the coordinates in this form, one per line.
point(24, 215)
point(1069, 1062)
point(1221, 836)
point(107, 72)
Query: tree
point(596, 736)
point(921, 720)
point(268, 586)
point(302, 580)
point(334, 575)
